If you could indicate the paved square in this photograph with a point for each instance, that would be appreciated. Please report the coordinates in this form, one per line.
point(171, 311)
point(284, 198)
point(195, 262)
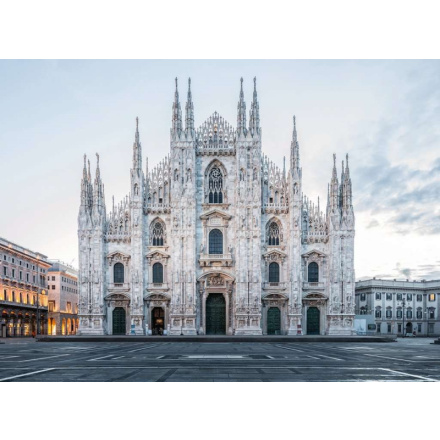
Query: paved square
point(405, 360)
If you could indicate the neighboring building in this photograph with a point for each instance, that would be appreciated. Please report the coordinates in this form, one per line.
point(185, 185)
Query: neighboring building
point(23, 296)
point(216, 239)
point(399, 306)
point(62, 287)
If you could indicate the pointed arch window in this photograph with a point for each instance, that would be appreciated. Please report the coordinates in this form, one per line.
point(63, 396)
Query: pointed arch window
point(274, 273)
point(157, 273)
point(313, 272)
point(118, 273)
point(157, 234)
point(215, 186)
point(273, 234)
point(216, 242)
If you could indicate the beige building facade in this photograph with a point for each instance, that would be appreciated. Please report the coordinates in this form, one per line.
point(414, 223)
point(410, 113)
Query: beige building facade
point(23, 293)
point(62, 287)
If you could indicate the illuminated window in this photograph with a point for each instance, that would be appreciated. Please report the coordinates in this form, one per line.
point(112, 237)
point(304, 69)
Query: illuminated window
point(432, 297)
point(69, 307)
point(51, 306)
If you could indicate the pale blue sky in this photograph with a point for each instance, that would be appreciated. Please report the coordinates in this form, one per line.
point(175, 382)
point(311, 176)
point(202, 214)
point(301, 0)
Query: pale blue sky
point(385, 114)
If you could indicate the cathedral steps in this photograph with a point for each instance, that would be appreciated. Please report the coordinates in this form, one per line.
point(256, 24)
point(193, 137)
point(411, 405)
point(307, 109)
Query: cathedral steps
point(211, 339)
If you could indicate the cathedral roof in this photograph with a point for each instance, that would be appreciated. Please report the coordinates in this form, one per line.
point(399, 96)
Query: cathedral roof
point(215, 133)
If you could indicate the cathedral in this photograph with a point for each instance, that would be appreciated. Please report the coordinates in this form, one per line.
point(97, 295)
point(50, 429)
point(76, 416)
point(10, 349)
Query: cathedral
point(216, 240)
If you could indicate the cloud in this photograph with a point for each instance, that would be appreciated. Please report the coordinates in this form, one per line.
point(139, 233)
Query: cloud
point(373, 224)
point(398, 174)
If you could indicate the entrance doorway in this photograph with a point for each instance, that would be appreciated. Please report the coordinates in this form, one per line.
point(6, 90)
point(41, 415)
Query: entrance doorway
point(273, 321)
point(157, 321)
point(313, 321)
point(119, 324)
point(409, 328)
point(215, 314)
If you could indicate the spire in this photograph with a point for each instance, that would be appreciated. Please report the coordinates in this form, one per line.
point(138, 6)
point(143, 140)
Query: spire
point(85, 185)
point(98, 196)
point(346, 187)
point(89, 175)
point(241, 112)
point(137, 149)
point(189, 110)
point(334, 187)
point(254, 120)
point(177, 113)
point(294, 149)
point(98, 172)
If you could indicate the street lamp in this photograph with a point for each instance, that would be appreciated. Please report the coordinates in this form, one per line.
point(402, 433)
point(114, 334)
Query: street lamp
point(403, 304)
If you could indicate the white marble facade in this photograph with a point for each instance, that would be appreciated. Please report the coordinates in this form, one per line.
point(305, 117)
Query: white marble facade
point(216, 239)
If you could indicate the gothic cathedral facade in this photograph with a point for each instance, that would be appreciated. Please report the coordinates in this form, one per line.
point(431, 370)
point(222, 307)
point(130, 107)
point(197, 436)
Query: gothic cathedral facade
point(216, 239)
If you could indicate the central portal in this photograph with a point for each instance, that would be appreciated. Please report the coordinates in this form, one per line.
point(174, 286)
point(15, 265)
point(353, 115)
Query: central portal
point(157, 321)
point(119, 327)
point(313, 321)
point(215, 314)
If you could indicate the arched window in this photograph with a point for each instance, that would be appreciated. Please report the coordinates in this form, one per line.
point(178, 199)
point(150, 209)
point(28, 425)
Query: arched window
point(313, 272)
point(273, 234)
point(215, 242)
point(215, 186)
point(274, 273)
point(157, 273)
point(157, 234)
point(118, 273)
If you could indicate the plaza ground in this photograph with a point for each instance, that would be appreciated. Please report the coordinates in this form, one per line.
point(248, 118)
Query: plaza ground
point(412, 359)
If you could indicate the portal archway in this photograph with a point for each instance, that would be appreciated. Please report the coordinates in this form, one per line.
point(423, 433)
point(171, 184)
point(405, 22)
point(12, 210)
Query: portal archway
point(215, 314)
point(157, 321)
point(313, 321)
point(273, 321)
point(119, 321)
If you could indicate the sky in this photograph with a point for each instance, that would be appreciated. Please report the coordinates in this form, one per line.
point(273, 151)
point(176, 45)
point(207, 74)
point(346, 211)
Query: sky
point(384, 114)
